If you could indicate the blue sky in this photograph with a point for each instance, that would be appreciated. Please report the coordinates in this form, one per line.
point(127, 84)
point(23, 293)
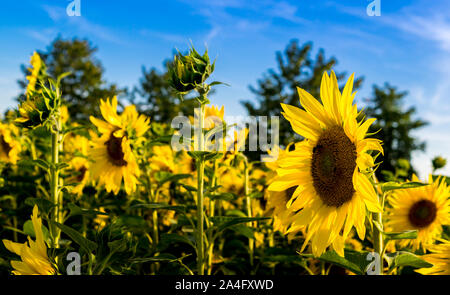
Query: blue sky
point(407, 46)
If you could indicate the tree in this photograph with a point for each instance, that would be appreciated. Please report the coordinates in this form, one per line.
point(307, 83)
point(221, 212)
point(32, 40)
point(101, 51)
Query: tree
point(155, 98)
point(83, 88)
point(394, 127)
point(295, 69)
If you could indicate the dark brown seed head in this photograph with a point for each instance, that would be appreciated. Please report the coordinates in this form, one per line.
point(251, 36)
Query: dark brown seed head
point(6, 148)
point(422, 213)
point(332, 167)
point(115, 152)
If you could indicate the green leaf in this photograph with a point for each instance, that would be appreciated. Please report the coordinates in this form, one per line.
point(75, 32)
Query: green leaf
point(389, 186)
point(175, 238)
point(164, 176)
point(163, 257)
point(222, 196)
point(178, 208)
point(28, 229)
point(354, 261)
point(75, 210)
point(224, 221)
point(45, 206)
point(403, 258)
point(87, 245)
point(241, 229)
point(409, 234)
point(38, 162)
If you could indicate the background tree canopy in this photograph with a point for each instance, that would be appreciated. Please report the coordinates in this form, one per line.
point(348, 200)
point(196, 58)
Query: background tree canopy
point(155, 98)
point(295, 68)
point(394, 126)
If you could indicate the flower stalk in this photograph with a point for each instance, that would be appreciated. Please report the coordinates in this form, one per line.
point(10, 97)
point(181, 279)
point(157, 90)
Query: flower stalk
point(54, 180)
point(200, 197)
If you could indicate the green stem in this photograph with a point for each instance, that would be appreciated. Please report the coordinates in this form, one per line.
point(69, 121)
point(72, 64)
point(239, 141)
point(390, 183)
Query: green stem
point(212, 209)
point(378, 241)
point(200, 205)
point(54, 182)
point(251, 242)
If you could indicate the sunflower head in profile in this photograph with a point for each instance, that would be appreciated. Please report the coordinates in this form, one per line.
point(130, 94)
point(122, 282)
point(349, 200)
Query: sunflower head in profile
point(33, 254)
point(9, 146)
point(112, 152)
point(424, 209)
point(328, 168)
point(439, 257)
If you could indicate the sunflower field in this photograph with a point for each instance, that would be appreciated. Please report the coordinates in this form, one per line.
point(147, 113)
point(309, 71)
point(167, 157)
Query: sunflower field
point(116, 196)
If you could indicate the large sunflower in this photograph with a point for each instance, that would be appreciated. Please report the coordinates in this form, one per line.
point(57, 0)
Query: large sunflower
point(424, 209)
point(328, 167)
point(112, 152)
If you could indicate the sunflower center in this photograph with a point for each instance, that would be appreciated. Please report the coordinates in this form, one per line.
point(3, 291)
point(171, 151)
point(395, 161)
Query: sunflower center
point(422, 213)
point(332, 167)
point(115, 152)
point(6, 148)
point(82, 173)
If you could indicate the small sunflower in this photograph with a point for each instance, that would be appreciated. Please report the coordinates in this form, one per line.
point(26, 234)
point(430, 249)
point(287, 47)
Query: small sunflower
point(424, 209)
point(32, 253)
point(327, 168)
point(112, 152)
point(36, 65)
point(439, 257)
point(162, 159)
point(77, 147)
point(9, 146)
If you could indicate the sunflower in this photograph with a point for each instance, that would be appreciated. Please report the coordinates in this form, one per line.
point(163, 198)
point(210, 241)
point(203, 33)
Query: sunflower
point(440, 258)
point(33, 253)
point(36, 65)
point(112, 152)
point(77, 147)
point(424, 209)
point(328, 167)
point(9, 146)
point(162, 159)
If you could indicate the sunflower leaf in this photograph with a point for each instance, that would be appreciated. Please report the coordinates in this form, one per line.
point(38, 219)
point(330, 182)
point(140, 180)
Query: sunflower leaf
point(389, 186)
point(403, 258)
point(405, 235)
point(356, 262)
point(178, 208)
point(87, 245)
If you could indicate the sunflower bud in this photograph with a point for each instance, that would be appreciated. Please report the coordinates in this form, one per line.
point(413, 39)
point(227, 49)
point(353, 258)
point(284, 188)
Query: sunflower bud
point(34, 111)
point(438, 162)
point(189, 72)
